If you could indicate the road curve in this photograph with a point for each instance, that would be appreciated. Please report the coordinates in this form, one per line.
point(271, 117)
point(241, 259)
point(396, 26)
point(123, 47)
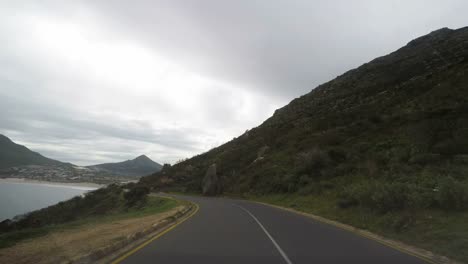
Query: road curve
point(234, 231)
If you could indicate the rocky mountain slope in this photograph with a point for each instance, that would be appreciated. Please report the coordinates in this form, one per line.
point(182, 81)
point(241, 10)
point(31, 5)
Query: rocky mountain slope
point(401, 118)
point(12, 154)
point(383, 147)
point(140, 166)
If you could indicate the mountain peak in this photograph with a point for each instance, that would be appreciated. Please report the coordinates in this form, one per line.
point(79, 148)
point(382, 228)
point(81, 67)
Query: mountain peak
point(142, 157)
point(139, 166)
point(12, 154)
point(443, 30)
point(436, 37)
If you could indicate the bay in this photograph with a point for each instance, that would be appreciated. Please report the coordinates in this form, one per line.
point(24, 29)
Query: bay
point(19, 198)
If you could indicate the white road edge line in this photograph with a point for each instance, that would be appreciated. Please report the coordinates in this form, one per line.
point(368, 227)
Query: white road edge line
point(285, 257)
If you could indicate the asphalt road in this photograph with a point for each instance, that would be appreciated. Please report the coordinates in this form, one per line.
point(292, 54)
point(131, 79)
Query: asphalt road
point(233, 231)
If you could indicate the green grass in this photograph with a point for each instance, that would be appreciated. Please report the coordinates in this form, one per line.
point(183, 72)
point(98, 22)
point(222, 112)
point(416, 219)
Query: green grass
point(154, 205)
point(442, 232)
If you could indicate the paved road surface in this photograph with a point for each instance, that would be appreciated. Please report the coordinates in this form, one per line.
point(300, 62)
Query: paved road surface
point(232, 231)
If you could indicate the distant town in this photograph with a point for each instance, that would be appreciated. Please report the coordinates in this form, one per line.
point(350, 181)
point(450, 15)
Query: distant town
point(65, 174)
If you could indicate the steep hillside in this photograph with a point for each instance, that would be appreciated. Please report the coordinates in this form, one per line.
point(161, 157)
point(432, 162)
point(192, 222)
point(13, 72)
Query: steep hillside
point(401, 117)
point(140, 166)
point(12, 154)
point(383, 147)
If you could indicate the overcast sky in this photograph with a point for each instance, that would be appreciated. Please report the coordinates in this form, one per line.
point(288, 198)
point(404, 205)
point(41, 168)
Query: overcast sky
point(100, 81)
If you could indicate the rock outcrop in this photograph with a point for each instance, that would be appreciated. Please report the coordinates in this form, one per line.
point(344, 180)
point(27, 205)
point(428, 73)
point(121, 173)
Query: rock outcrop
point(211, 184)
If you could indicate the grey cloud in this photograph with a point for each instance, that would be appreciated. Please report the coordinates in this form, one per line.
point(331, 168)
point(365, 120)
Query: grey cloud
point(55, 122)
point(282, 48)
point(36, 123)
point(266, 51)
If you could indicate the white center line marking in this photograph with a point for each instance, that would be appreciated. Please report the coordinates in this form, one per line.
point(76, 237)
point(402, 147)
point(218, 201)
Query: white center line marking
point(285, 257)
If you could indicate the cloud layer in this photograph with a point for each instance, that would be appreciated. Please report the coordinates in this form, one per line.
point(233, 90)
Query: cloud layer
point(99, 81)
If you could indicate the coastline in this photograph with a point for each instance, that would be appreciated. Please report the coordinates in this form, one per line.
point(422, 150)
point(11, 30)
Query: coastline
point(74, 185)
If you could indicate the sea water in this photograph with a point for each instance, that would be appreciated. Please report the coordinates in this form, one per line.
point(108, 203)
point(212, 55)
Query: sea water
point(20, 198)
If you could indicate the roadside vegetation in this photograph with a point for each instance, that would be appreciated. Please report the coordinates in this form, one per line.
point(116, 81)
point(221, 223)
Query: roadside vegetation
point(104, 205)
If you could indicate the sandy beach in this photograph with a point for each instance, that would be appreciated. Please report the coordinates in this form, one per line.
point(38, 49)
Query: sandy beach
point(75, 185)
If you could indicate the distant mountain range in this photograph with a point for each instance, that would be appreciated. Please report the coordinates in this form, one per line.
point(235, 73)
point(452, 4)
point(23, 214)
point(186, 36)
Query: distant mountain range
point(140, 166)
point(15, 155)
point(12, 154)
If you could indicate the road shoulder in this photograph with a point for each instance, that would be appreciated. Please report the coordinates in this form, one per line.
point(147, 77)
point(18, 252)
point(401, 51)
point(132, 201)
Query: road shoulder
point(162, 228)
point(422, 254)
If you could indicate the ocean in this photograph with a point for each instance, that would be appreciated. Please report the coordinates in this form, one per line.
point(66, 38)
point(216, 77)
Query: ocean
point(19, 198)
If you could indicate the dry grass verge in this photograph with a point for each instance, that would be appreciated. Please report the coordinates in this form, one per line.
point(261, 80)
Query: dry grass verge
point(89, 242)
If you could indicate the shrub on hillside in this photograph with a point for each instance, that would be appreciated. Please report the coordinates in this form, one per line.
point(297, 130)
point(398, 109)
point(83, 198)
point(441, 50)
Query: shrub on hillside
point(93, 203)
point(311, 188)
point(312, 162)
point(425, 158)
point(136, 196)
point(447, 147)
point(399, 221)
point(337, 155)
point(102, 200)
point(452, 194)
point(383, 197)
point(279, 183)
